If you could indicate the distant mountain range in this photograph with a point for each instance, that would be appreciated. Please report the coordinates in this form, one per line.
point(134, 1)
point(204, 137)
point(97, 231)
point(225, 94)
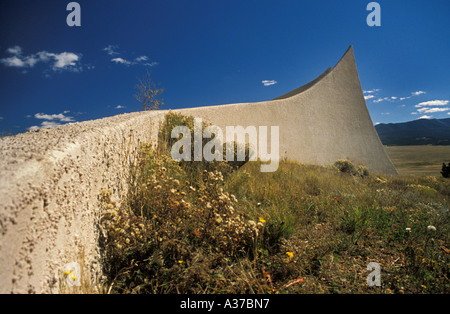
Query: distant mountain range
point(417, 132)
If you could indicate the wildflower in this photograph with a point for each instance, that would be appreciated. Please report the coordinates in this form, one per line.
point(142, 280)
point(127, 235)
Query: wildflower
point(180, 262)
point(431, 228)
point(290, 254)
point(262, 220)
point(73, 277)
point(67, 273)
point(218, 219)
point(408, 229)
point(258, 204)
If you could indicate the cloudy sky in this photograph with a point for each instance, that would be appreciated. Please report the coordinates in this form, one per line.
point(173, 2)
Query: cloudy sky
point(215, 52)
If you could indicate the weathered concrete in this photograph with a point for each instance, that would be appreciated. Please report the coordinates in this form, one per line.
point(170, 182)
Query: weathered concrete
point(50, 179)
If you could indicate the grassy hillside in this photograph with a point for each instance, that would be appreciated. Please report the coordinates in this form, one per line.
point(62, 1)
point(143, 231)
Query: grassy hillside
point(221, 228)
point(419, 160)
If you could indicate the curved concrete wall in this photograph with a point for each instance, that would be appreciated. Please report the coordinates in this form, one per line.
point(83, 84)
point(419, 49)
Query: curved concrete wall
point(50, 179)
point(320, 122)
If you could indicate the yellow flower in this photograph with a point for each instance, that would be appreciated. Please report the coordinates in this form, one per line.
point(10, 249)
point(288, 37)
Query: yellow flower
point(180, 262)
point(73, 277)
point(290, 254)
point(67, 273)
point(262, 220)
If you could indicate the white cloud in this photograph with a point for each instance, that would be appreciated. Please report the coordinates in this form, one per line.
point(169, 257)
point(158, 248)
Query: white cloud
point(16, 50)
point(121, 60)
point(49, 124)
point(141, 58)
point(432, 103)
point(269, 82)
point(392, 98)
point(51, 120)
point(61, 61)
point(60, 116)
point(369, 97)
point(119, 107)
point(65, 59)
point(44, 125)
point(385, 113)
point(138, 60)
point(18, 62)
point(432, 110)
point(13, 62)
point(111, 50)
point(151, 64)
point(376, 123)
point(371, 91)
point(425, 117)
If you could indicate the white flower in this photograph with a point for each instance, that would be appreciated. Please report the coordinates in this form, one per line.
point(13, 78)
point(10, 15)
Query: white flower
point(408, 229)
point(431, 228)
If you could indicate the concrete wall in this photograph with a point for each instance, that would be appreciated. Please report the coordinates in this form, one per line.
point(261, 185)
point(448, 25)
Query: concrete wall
point(320, 122)
point(50, 179)
point(49, 185)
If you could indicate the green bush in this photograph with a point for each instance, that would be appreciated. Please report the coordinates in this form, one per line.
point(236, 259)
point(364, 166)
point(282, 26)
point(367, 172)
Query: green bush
point(445, 170)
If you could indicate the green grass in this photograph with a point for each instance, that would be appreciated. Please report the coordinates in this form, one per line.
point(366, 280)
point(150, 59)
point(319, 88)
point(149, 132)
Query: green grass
point(215, 228)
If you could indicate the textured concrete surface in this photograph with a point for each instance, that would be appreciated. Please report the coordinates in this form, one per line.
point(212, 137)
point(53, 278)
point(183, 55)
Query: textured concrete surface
point(50, 179)
point(49, 185)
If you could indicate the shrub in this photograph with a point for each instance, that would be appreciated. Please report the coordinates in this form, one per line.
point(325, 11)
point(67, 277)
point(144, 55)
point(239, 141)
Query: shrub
point(165, 143)
point(176, 225)
point(445, 170)
point(148, 94)
point(345, 166)
point(362, 171)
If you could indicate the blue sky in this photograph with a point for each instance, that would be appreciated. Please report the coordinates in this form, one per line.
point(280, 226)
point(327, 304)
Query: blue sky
point(207, 52)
